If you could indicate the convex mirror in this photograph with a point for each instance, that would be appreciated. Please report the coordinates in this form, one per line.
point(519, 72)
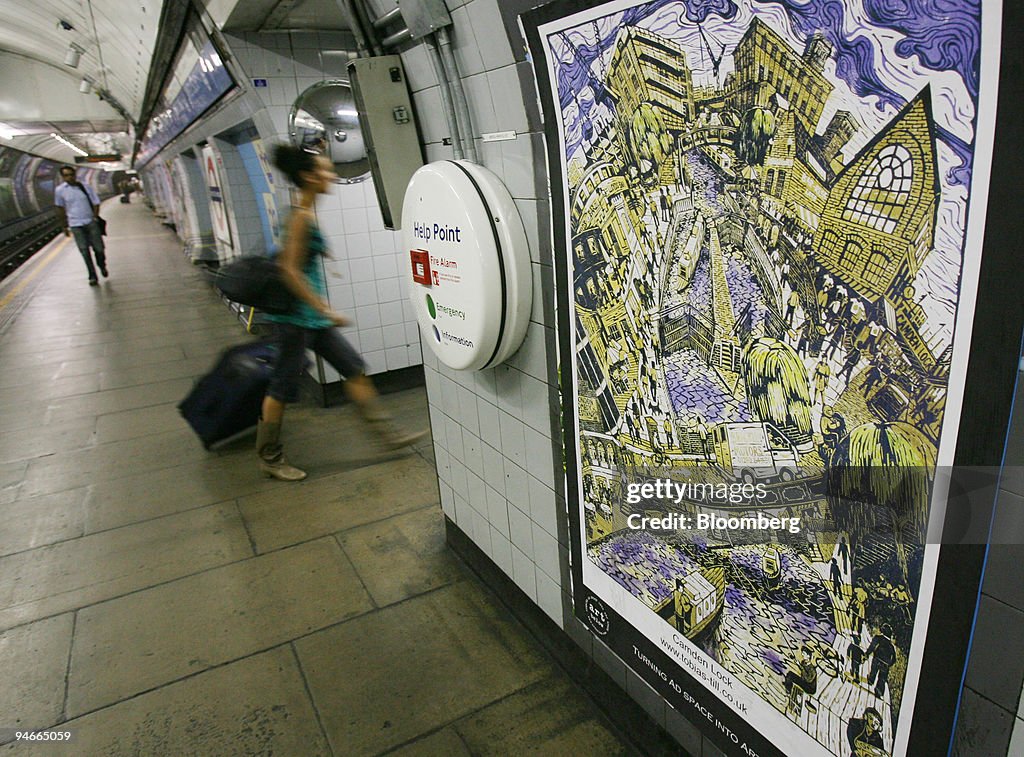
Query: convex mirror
point(324, 118)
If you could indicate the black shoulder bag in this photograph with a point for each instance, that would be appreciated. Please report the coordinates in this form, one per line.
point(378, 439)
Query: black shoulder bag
point(99, 219)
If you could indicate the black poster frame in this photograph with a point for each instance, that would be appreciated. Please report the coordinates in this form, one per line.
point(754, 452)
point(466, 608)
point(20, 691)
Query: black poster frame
point(988, 393)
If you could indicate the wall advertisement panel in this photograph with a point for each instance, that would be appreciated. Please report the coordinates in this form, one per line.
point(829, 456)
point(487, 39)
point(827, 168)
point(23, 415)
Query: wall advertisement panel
point(767, 218)
point(213, 170)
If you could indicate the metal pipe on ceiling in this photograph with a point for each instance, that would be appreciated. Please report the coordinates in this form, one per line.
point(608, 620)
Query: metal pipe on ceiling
point(396, 39)
point(446, 96)
point(364, 20)
point(395, 14)
point(451, 68)
point(362, 40)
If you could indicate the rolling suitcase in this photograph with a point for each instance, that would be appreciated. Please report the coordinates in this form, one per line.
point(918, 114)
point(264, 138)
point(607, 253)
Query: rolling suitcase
point(225, 403)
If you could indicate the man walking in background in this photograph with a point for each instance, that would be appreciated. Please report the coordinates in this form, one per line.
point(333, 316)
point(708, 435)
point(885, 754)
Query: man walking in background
point(78, 207)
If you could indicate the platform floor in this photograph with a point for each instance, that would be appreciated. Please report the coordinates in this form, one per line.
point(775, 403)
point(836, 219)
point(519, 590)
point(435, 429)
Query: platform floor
point(159, 599)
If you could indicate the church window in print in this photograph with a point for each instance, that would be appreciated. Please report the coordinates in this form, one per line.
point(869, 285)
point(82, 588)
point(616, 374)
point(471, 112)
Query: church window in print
point(882, 191)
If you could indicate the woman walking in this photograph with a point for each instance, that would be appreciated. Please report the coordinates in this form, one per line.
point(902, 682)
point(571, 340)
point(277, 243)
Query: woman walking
point(311, 324)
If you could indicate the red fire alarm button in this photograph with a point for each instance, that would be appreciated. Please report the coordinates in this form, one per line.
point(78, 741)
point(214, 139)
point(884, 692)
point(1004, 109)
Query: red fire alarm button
point(420, 266)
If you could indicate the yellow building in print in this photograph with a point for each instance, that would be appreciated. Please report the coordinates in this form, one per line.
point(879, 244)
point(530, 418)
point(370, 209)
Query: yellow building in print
point(767, 66)
point(879, 222)
point(795, 176)
point(646, 67)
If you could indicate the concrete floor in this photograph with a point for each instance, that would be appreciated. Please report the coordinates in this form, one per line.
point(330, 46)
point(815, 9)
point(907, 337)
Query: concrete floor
point(159, 599)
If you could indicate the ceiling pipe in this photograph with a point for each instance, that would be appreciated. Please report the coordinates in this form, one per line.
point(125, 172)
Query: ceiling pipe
point(446, 96)
point(365, 42)
point(395, 14)
point(451, 68)
point(396, 39)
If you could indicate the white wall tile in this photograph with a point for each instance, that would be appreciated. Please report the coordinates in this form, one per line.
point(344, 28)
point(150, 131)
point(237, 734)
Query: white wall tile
point(524, 573)
point(464, 44)
point(513, 442)
point(509, 111)
point(442, 461)
point(354, 220)
point(385, 267)
point(521, 530)
point(545, 552)
point(491, 38)
point(468, 415)
point(391, 314)
point(448, 502)
point(490, 427)
point(481, 105)
point(549, 596)
point(361, 270)
point(396, 358)
point(544, 507)
point(419, 71)
point(365, 294)
point(508, 389)
point(430, 115)
point(482, 532)
point(536, 409)
point(497, 510)
point(518, 158)
point(394, 336)
point(453, 434)
point(501, 551)
point(376, 362)
point(473, 450)
point(458, 477)
point(372, 340)
point(389, 290)
point(517, 486)
point(477, 488)
point(494, 467)
point(368, 317)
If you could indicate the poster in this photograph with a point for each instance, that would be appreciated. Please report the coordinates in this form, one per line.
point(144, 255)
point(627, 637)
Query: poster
point(218, 207)
point(767, 218)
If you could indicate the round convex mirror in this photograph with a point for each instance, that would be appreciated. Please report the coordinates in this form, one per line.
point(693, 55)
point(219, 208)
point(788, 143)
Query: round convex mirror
point(324, 118)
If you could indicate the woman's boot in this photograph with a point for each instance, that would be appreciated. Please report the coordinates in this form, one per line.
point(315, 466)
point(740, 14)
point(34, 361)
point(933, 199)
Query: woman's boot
point(383, 427)
point(271, 454)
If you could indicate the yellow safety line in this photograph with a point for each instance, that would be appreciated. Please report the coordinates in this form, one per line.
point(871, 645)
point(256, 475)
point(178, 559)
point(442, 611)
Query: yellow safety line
point(33, 273)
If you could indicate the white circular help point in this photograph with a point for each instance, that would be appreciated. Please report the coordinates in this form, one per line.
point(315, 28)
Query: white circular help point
point(469, 266)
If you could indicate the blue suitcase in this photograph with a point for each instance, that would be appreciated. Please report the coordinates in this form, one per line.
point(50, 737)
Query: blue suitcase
point(225, 403)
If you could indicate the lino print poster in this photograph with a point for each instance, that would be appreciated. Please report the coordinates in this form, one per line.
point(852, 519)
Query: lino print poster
point(766, 276)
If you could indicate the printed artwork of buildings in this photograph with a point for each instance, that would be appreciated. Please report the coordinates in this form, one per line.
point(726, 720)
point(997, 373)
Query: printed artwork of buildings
point(746, 289)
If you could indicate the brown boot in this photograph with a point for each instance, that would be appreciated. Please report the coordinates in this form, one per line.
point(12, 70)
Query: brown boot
point(383, 427)
point(271, 454)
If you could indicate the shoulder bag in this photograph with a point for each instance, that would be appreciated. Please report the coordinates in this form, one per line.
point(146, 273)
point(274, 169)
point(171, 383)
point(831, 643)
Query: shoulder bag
point(255, 280)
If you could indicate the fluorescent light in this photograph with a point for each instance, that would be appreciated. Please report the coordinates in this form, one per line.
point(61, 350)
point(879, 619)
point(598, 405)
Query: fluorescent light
point(66, 143)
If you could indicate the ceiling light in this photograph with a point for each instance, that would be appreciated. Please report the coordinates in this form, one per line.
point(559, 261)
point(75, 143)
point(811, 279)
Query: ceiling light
point(66, 143)
point(74, 54)
point(85, 87)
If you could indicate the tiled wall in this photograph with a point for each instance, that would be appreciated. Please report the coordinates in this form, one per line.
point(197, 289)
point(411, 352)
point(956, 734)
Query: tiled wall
point(363, 271)
point(991, 720)
point(495, 431)
point(363, 279)
point(243, 215)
